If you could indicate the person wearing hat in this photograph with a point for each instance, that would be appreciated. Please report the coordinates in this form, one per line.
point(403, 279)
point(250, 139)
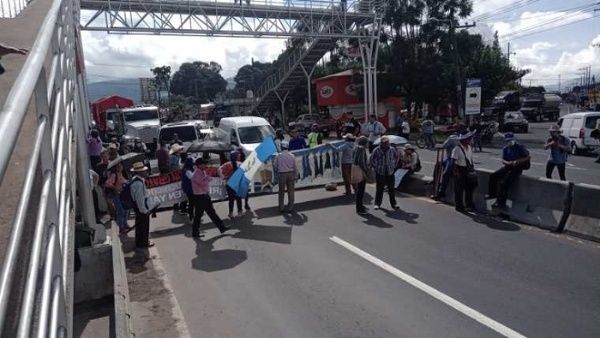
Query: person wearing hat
point(225, 171)
point(464, 180)
point(410, 159)
point(515, 157)
point(285, 163)
point(202, 200)
point(559, 152)
point(314, 137)
point(347, 151)
point(278, 138)
point(113, 151)
point(448, 145)
point(113, 186)
point(384, 161)
point(140, 205)
point(175, 157)
point(373, 129)
point(297, 141)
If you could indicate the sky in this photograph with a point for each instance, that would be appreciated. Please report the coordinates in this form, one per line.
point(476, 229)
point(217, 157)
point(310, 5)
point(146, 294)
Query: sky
point(553, 39)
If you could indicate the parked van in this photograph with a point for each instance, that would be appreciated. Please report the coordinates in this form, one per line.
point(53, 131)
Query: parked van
point(578, 127)
point(246, 132)
point(187, 131)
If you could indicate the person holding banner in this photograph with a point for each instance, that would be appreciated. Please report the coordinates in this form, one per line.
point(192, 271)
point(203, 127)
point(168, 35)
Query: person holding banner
point(225, 171)
point(202, 201)
point(286, 167)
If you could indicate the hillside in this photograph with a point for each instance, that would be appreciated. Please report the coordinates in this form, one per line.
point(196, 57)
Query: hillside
point(125, 87)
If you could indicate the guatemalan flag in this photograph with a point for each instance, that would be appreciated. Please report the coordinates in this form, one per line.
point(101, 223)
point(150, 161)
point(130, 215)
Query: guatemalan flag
point(242, 177)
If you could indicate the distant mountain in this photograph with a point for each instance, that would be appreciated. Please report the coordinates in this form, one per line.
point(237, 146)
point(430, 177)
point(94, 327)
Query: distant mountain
point(126, 87)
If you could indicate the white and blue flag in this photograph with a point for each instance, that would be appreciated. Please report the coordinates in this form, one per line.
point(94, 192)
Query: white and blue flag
point(242, 177)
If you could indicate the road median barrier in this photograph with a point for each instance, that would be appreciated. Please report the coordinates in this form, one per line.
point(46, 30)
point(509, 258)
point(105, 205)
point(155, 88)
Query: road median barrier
point(584, 219)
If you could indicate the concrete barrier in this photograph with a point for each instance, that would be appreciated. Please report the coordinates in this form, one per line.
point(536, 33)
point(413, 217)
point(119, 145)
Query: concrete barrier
point(417, 184)
point(541, 202)
point(584, 219)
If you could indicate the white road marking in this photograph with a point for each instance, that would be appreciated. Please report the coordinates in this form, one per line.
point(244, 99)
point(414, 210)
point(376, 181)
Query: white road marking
point(453, 303)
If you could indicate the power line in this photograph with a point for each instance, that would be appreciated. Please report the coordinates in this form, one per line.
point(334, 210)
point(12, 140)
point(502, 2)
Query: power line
point(561, 11)
point(506, 9)
point(549, 29)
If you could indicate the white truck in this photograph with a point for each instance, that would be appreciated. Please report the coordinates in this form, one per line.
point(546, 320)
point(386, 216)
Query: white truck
point(142, 122)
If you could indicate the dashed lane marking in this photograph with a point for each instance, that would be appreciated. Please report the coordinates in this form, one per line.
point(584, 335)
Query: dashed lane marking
point(453, 303)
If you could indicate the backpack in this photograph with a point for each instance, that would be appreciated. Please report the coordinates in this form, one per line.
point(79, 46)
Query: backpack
point(125, 195)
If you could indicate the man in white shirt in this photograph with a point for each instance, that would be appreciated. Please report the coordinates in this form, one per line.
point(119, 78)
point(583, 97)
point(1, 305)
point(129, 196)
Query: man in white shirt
point(140, 206)
point(464, 183)
point(374, 130)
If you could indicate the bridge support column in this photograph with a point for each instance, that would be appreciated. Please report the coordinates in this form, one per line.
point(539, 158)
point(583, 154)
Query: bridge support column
point(369, 49)
point(282, 101)
point(308, 84)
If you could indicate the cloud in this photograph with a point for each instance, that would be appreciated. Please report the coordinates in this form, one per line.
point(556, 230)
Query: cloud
point(545, 71)
point(129, 56)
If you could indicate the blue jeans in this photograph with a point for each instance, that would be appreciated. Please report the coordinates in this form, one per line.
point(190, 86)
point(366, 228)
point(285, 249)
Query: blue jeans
point(429, 140)
point(121, 213)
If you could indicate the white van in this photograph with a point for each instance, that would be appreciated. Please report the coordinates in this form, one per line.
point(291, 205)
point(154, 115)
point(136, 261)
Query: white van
point(578, 127)
point(246, 132)
point(187, 131)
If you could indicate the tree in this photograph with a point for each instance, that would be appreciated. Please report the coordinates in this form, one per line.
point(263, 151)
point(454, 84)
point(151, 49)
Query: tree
point(250, 77)
point(162, 77)
point(199, 80)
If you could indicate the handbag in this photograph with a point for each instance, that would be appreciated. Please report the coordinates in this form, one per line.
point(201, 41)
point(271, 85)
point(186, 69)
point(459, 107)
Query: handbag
point(471, 178)
point(357, 175)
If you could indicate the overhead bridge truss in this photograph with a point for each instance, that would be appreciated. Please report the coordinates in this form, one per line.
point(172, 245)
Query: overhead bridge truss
point(259, 18)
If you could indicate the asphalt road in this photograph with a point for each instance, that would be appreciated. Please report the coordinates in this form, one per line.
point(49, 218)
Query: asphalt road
point(423, 271)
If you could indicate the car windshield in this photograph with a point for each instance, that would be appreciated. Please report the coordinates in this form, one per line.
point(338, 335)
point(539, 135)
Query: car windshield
point(140, 115)
point(255, 134)
point(185, 134)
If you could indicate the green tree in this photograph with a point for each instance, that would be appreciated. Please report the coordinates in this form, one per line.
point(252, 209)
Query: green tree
point(162, 77)
point(250, 77)
point(200, 80)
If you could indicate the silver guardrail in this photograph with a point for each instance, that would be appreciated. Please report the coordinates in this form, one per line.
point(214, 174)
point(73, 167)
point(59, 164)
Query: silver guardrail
point(12, 8)
point(57, 180)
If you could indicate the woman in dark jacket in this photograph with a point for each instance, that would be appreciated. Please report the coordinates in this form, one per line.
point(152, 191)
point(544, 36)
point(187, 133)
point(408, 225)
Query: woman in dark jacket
point(186, 185)
point(360, 159)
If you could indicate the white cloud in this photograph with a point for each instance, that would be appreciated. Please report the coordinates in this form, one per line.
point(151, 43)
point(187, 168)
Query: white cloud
point(530, 22)
point(545, 70)
point(129, 56)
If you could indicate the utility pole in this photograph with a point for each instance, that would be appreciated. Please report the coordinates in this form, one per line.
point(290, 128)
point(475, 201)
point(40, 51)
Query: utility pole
point(509, 53)
point(559, 83)
point(457, 63)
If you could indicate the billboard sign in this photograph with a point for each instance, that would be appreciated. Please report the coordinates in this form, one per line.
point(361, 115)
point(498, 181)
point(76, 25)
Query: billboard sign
point(473, 97)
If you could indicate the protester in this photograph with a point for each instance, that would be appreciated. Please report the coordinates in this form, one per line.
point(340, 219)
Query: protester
point(186, 186)
point(162, 157)
point(94, 179)
point(465, 179)
point(139, 146)
point(297, 141)
point(349, 126)
point(427, 128)
point(410, 159)
point(225, 171)
point(314, 137)
point(102, 165)
point(285, 163)
point(356, 124)
point(113, 151)
point(559, 152)
point(398, 121)
point(175, 157)
point(94, 149)
point(202, 200)
point(447, 165)
point(405, 129)
point(112, 188)
point(279, 137)
point(347, 160)
point(595, 134)
point(140, 205)
point(374, 129)
point(176, 140)
point(515, 158)
point(476, 128)
point(359, 158)
point(124, 147)
point(384, 160)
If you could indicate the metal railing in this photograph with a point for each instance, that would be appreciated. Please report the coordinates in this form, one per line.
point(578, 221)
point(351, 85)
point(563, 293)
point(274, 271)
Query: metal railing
point(58, 172)
point(12, 8)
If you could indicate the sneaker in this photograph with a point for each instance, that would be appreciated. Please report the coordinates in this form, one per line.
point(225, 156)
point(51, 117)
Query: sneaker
point(377, 207)
point(362, 212)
